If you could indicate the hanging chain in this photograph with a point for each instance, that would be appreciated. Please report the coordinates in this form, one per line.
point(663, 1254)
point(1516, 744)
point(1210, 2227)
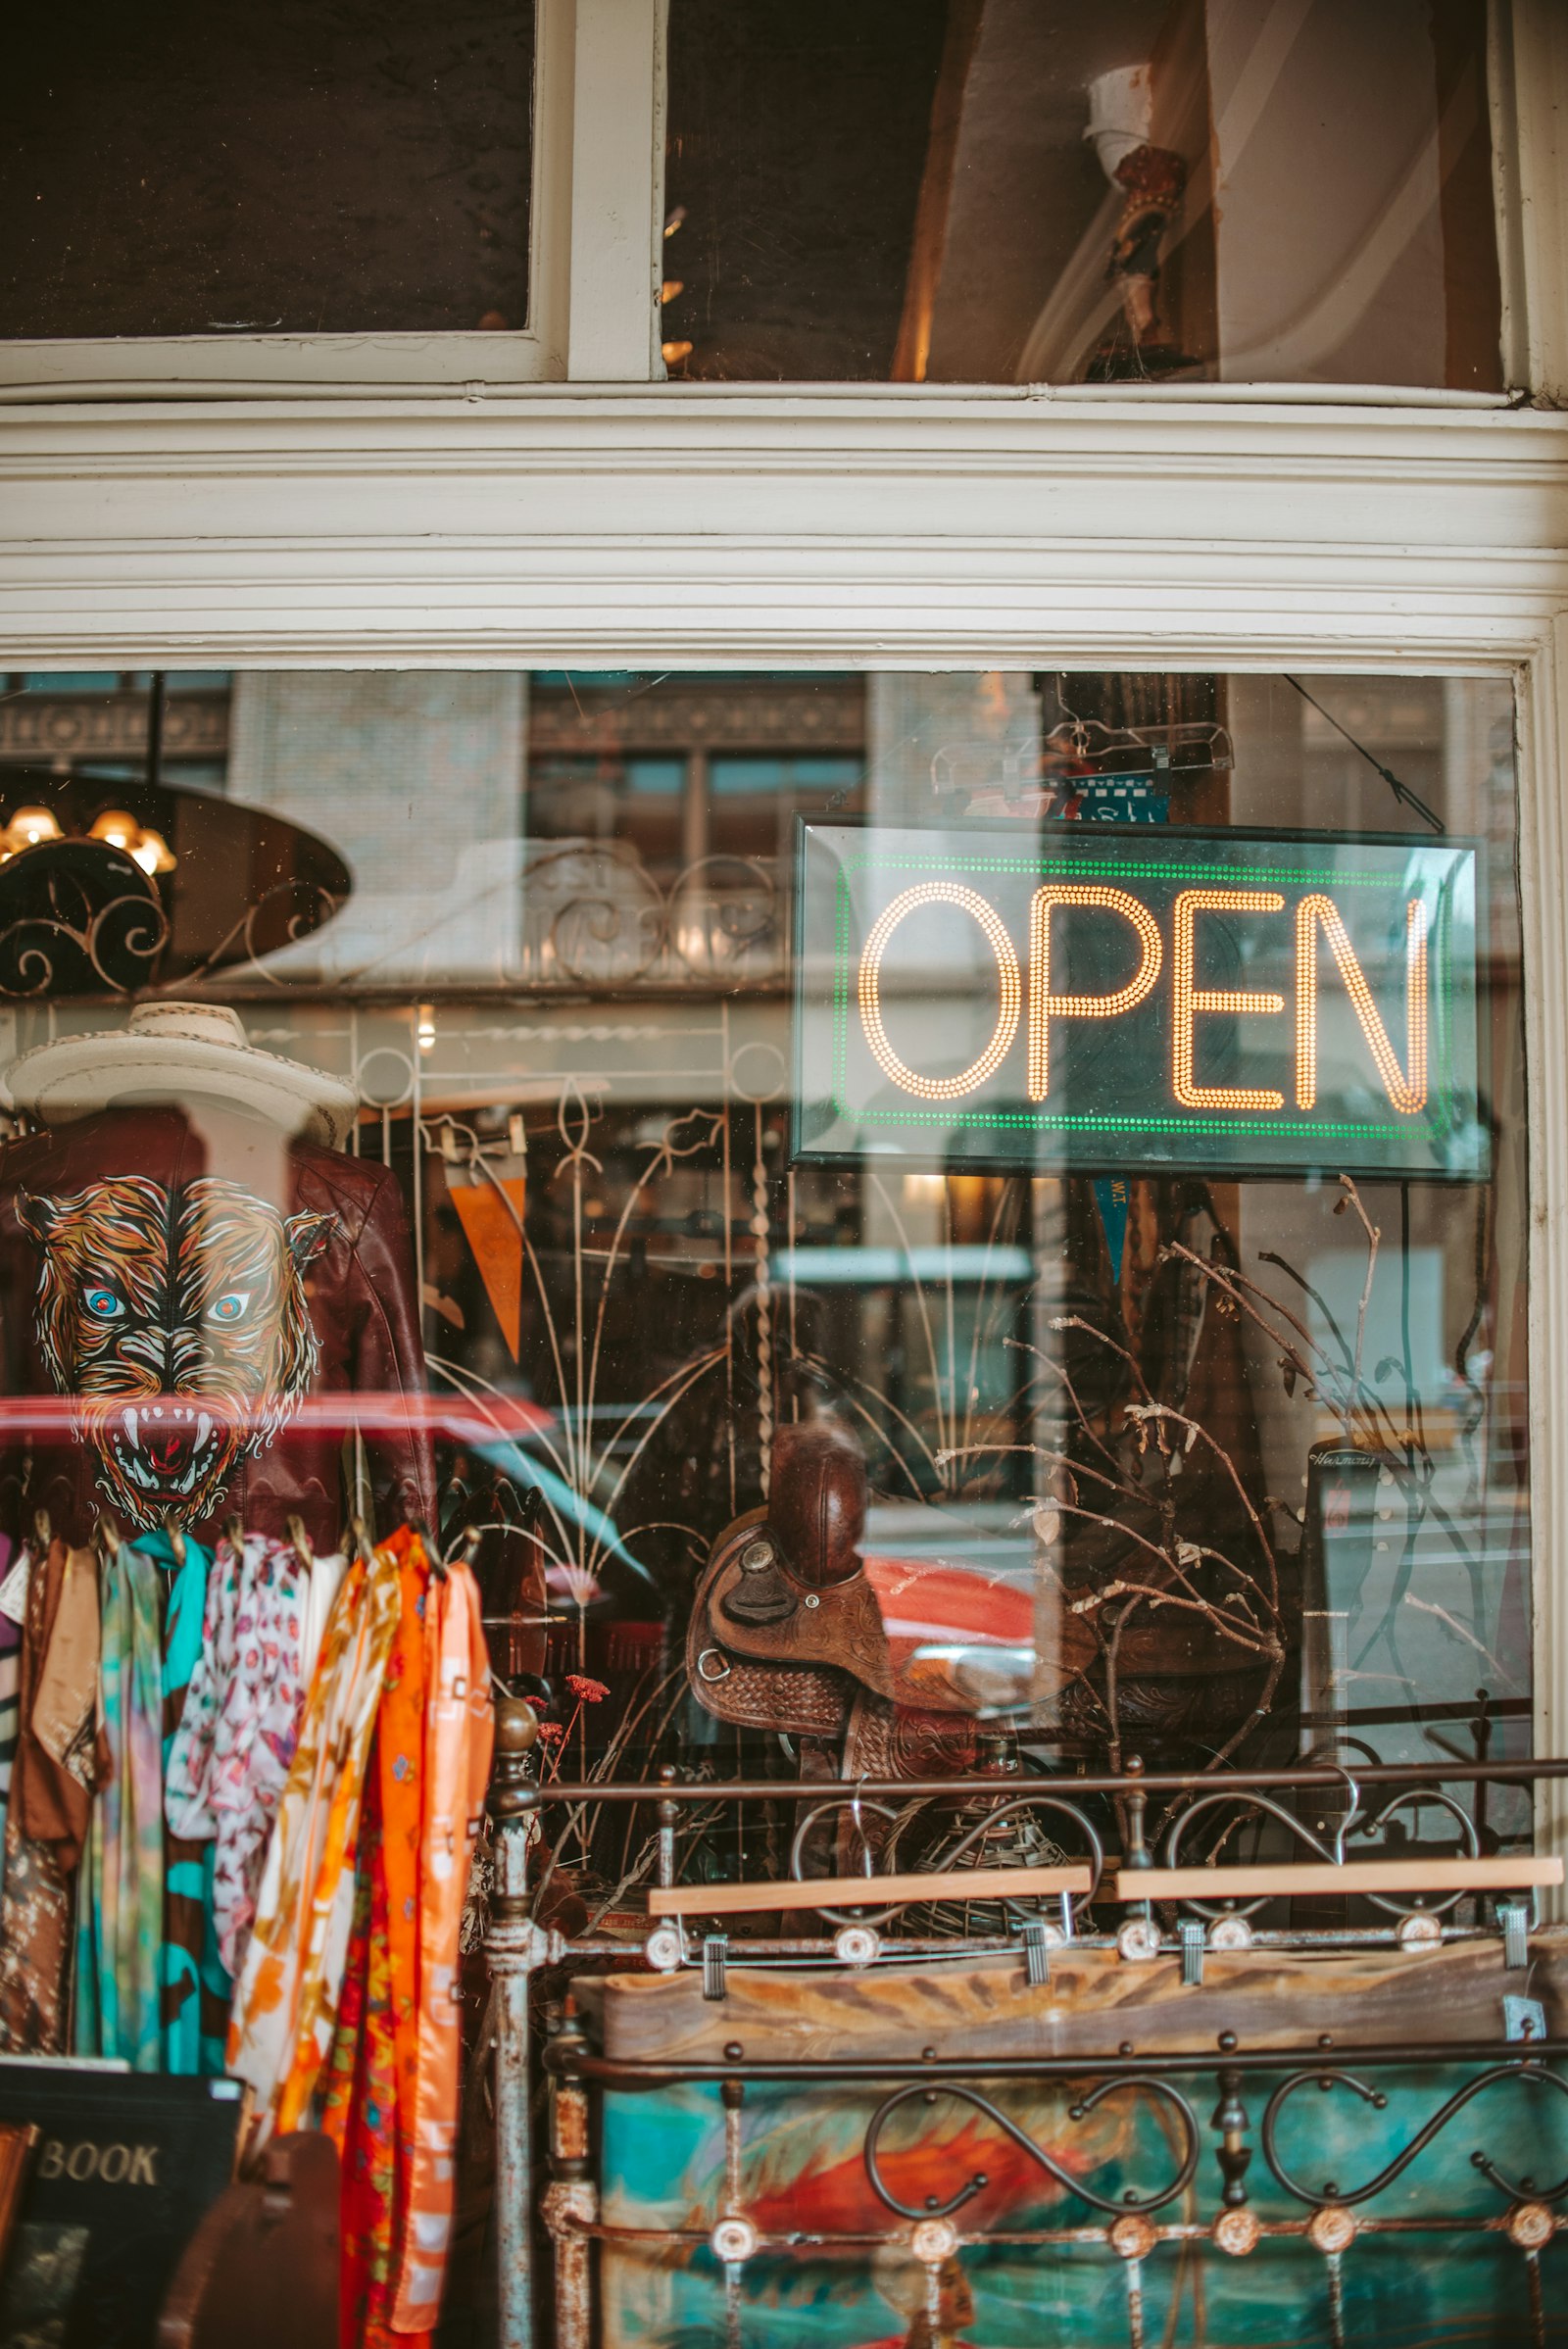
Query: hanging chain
point(764, 1310)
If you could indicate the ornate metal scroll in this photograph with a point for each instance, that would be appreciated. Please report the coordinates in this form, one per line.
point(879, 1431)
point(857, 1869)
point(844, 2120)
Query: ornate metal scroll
point(1340, 2197)
point(1130, 2201)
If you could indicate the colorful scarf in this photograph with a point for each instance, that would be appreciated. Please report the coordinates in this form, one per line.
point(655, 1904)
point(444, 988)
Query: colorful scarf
point(367, 2105)
point(392, 2096)
point(120, 1922)
point(320, 1596)
point(46, 1820)
point(236, 1742)
point(10, 1677)
point(459, 1730)
point(63, 1717)
point(285, 2002)
point(195, 1985)
point(188, 1799)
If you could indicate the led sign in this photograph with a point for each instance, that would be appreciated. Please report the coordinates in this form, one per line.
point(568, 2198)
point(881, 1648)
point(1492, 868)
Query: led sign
point(1237, 1001)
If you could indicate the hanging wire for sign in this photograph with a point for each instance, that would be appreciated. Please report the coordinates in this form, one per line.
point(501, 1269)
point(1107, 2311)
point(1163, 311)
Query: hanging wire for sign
point(1402, 791)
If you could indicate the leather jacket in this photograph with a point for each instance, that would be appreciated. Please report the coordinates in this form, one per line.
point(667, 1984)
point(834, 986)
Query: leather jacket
point(195, 1314)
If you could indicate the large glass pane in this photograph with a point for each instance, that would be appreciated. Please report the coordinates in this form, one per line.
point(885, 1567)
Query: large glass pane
point(970, 191)
point(293, 168)
point(932, 1236)
point(1151, 1245)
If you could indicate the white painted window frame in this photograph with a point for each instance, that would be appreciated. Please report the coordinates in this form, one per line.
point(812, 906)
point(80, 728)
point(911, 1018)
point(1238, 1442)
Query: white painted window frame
point(595, 218)
point(617, 523)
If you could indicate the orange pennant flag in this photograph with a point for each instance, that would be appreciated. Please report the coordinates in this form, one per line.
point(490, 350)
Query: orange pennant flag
point(493, 1229)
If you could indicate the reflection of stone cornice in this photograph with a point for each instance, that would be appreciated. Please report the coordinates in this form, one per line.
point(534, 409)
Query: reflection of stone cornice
point(40, 727)
point(767, 715)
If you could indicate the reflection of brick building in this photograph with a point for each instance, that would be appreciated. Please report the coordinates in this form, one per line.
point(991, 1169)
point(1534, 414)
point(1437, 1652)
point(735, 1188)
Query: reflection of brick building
point(96, 725)
point(416, 776)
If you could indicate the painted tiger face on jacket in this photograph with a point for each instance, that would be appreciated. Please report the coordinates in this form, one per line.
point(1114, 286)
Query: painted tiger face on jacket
point(178, 1322)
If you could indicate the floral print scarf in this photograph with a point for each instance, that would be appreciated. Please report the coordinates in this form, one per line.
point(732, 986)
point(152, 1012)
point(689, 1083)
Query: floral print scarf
point(391, 2097)
point(286, 1999)
point(235, 1744)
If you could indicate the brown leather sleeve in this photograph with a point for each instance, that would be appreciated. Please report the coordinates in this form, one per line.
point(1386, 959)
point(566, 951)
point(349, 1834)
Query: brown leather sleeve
point(389, 1363)
point(51, 1806)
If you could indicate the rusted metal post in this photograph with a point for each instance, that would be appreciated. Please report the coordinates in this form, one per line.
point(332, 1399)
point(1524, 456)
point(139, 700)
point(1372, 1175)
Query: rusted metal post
point(570, 2201)
point(1139, 1938)
point(1231, 2121)
point(669, 1820)
point(511, 1947)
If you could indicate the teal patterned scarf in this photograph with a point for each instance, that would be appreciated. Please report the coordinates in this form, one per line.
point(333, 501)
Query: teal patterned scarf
point(150, 1985)
point(196, 1988)
point(120, 1922)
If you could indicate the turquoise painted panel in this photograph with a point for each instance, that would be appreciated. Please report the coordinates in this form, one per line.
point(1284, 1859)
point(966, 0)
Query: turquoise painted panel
point(802, 2171)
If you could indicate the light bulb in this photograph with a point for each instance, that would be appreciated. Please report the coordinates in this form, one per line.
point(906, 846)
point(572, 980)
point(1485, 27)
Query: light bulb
point(29, 825)
point(152, 853)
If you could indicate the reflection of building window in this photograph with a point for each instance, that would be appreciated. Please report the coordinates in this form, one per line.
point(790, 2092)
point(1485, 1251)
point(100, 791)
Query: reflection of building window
point(682, 769)
point(606, 799)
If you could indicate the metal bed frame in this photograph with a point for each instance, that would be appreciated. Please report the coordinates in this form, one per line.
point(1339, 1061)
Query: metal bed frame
point(1252, 2088)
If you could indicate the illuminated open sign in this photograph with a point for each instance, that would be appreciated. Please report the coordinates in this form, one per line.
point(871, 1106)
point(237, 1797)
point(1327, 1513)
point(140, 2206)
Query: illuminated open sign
point(1238, 1001)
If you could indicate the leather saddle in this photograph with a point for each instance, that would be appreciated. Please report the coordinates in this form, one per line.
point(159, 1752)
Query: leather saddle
point(785, 1631)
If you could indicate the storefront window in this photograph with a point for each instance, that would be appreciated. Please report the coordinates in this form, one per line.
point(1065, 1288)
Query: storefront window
point(974, 192)
point(731, 1395)
point(1162, 1385)
point(294, 169)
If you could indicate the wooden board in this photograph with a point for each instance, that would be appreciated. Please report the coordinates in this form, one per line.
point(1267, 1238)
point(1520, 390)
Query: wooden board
point(979, 2006)
point(1350, 1876)
point(867, 1892)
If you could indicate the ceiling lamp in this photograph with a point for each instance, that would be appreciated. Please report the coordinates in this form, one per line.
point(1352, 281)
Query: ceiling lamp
point(145, 847)
point(27, 829)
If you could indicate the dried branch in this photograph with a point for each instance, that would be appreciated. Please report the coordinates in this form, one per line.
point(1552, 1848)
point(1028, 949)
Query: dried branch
point(1352, 1199)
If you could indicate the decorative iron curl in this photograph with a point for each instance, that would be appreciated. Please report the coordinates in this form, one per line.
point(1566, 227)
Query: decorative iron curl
point(615, 913)
point(292, 909)
point(1357, 1821)
point(1020, 1806)
point(120, 943)
point(857, 1810)
point(1130, 2201)
point(948, 1860)
point(1518, 2190)
point(733, 925)
point(1023, 1908)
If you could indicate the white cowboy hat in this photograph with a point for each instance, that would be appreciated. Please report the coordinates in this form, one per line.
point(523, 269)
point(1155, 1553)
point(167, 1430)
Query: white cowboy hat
point(173, 1052)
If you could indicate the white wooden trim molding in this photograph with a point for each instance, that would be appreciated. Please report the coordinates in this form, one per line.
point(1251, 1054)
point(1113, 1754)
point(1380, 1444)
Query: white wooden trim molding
point(1543, 891)
point(618, 191)
point(1527, 75)
point(696, 526)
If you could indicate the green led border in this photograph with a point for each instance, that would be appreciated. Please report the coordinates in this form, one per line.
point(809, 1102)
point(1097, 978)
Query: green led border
point(1431, 1130)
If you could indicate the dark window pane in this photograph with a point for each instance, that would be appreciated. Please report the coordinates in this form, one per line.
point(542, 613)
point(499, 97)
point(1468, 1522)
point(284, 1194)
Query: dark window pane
point(1006, 190)
point(290, 167)
point(796, 143)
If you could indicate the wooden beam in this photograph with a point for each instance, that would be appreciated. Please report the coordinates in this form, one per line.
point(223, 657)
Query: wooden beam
point(867, 1892)
point(1322, 1875)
